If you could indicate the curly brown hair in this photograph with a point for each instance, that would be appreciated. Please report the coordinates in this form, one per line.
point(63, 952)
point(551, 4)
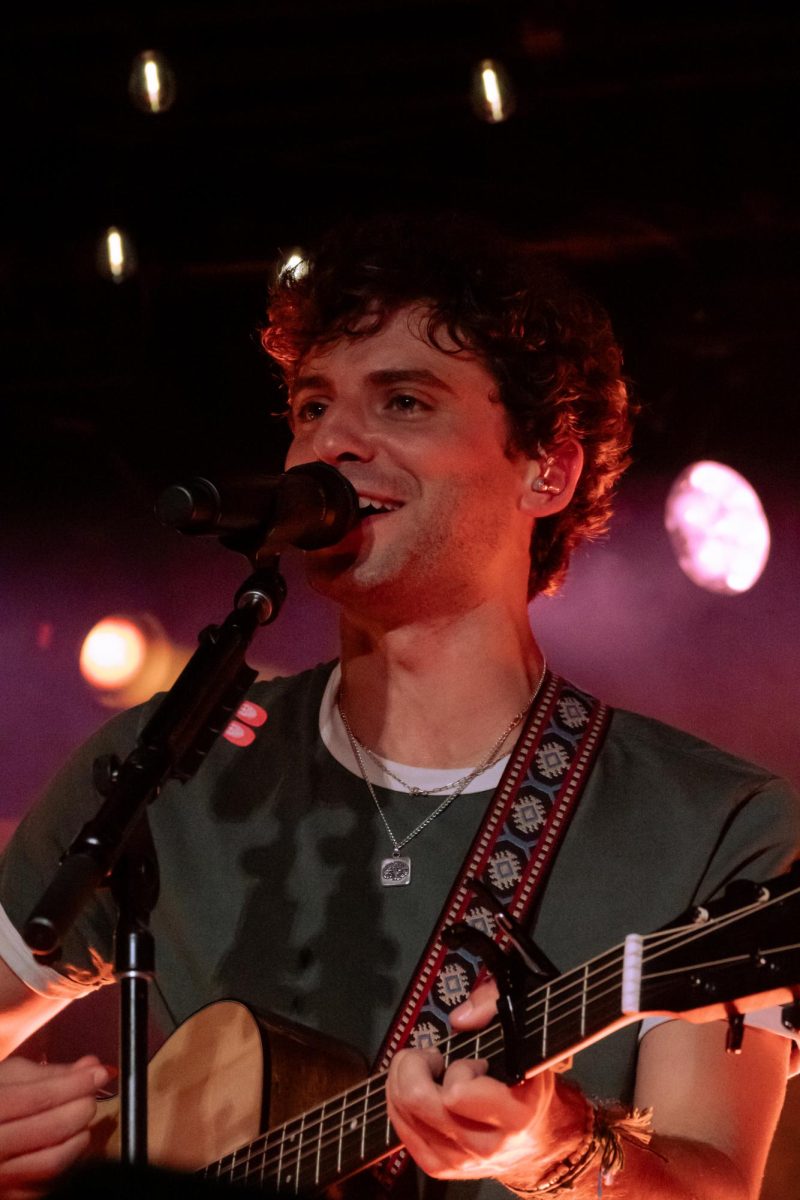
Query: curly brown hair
point(548, 344)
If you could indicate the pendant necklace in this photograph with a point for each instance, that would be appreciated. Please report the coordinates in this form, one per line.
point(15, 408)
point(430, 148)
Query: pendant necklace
point(396, 871)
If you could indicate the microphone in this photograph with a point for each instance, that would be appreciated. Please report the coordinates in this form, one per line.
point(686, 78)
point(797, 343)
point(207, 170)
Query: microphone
point(310, 506)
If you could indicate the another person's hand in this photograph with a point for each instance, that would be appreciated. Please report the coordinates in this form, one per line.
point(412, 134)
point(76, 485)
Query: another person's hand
point(45, 1112)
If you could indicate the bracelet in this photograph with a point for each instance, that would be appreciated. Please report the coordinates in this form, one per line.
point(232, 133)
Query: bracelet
point(562, 1174)
point(614, 1124)
point(607, 1127)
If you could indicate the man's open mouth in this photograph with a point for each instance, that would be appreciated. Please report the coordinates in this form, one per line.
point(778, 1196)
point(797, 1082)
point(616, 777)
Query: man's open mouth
point(371, 506)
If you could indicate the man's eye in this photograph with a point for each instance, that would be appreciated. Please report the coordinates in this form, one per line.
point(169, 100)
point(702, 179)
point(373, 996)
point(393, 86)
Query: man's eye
point(404, 403)
point(308, 411)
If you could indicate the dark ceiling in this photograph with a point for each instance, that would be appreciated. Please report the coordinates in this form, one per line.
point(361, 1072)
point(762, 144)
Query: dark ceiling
point(652, 151)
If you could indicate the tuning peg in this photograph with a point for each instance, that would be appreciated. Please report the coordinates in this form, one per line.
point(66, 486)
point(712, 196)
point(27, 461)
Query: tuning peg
point(790, 1016)
point(734, 1035)
point(742, 892)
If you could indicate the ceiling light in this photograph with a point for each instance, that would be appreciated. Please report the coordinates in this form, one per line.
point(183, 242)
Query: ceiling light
point(151, 84)
point(293, 263)
point(116, 259)
point(491, 93)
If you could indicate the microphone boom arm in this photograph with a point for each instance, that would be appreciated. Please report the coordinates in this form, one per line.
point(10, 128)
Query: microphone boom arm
point(173, 744)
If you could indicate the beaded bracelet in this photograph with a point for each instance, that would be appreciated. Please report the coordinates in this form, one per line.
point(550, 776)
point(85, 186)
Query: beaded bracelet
point(562, 1173)
point(606, 1129)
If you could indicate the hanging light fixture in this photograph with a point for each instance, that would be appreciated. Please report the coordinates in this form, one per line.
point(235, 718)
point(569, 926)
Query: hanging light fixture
point(293, 262)
point(491, 92)
point(116, 258)
point(151, 84)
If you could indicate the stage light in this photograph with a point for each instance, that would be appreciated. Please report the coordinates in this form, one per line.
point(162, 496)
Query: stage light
point(717, 527)
point(491, 93)
point(151, 84)
point(115, 255)
point(127, 658)
point(294, 263)
point(112, 652)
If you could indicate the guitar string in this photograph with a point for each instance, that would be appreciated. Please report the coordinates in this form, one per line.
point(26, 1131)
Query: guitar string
point(694, 932)
point(611, 955)
point(667, 936)
point(379, 1114)
point(242, 1167)
point(358, 1096)
point(339, 1114)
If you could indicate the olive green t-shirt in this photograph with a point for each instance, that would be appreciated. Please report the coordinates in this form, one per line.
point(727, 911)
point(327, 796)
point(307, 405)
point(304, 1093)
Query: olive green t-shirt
point(269, 860)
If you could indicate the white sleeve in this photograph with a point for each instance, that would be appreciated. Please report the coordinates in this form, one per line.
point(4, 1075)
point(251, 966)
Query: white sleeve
point(763, 1018)
point(40, 979)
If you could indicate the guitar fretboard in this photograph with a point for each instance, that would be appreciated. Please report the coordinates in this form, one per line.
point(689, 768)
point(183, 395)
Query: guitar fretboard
point(751, 950)
point(352, 1130)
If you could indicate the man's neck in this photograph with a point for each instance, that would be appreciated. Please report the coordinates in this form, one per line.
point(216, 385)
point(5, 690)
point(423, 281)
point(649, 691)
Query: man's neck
point(438, 692)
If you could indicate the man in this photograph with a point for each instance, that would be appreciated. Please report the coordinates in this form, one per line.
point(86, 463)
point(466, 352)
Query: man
point(476, 404)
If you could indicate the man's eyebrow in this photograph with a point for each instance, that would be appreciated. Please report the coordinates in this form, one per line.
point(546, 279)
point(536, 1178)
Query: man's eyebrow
point(383, 378)
point(409, 375)
point(303, 382)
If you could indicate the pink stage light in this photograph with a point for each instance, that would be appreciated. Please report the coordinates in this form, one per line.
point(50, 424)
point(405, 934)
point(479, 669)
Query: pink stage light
point(717, 527)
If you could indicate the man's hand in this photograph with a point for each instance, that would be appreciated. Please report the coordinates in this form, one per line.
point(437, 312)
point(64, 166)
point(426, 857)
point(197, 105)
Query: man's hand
point(45, 1113)
point(460, 1124)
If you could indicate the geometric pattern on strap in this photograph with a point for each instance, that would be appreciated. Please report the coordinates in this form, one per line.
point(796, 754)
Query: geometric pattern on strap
point(511, 853)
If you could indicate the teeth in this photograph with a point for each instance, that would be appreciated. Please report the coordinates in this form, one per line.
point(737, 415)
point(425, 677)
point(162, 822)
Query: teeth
point(364, 502)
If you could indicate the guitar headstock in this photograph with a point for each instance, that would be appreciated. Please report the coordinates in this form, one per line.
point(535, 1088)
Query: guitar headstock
point(737, 954)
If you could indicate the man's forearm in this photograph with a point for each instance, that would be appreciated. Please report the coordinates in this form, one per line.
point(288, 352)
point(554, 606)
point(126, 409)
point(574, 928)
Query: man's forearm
point(583, 1139)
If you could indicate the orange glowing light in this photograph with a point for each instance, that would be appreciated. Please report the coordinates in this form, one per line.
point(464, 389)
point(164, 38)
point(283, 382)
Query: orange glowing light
point(112, 653)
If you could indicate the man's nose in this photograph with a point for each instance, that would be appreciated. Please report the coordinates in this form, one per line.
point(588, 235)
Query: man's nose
point(342, 436)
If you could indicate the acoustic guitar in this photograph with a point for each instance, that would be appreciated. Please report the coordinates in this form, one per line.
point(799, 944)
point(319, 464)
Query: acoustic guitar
point(212, 1085)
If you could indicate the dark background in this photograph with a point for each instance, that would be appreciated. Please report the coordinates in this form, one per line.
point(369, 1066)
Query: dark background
point(653, 153)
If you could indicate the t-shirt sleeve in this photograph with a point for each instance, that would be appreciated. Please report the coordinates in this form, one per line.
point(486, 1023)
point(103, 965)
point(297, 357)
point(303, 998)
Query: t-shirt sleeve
point(759, 840)
point(29, 863)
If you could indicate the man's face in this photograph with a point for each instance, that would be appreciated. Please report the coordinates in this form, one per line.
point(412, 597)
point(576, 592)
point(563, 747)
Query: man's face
point(422, 438)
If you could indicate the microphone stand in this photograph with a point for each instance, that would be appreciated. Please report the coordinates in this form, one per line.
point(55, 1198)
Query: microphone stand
point(115, 848)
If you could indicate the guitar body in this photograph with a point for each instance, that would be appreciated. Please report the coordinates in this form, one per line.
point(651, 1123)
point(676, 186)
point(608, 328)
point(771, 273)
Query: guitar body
point(220, 1076)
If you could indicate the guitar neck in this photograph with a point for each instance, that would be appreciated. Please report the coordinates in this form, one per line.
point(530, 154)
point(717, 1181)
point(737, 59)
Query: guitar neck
point(352, 1130)
point(748, 952)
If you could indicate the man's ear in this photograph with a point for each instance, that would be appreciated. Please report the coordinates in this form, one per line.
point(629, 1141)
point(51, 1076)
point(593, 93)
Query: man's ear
point(550, 478)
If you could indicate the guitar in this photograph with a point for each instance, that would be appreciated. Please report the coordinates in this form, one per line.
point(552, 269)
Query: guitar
point(211, 1083)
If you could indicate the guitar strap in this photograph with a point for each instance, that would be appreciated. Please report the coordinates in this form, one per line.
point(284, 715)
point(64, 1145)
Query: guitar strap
point(511, 853)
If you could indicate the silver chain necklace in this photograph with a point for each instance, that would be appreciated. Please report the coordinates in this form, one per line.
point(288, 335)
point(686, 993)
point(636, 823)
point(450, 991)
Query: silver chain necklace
point(396, 871)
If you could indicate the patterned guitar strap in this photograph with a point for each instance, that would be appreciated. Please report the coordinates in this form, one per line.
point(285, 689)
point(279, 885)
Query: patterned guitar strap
point(521, 830)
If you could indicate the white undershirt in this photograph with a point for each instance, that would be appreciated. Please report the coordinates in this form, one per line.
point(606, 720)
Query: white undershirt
point(336, 741)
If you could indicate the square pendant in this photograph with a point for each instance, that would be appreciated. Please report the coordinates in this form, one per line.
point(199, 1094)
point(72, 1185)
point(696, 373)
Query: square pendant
point(396, 871)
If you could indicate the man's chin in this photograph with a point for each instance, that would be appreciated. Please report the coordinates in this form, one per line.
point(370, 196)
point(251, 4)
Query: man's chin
point(347, 576)
point(332, 569)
